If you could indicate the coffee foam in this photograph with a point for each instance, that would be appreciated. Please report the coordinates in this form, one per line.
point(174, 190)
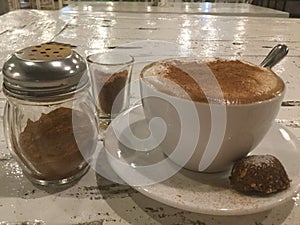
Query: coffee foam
point(239, 82)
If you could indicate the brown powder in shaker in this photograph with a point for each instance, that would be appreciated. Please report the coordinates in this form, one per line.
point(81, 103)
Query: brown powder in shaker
point(49, 144)
point(110, 90)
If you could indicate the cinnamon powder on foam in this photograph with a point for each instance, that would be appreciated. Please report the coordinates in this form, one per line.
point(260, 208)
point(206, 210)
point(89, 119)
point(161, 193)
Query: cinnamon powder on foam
point(240, 82)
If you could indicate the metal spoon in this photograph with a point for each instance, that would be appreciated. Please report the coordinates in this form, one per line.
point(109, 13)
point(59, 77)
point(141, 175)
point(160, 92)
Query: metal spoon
point(275, 55)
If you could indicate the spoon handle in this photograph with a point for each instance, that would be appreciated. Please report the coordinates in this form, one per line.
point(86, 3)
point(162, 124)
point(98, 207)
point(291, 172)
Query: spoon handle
point(275, 55)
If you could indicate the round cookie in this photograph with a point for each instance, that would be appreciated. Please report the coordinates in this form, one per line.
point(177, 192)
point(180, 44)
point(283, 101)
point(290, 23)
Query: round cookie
point(259, 173)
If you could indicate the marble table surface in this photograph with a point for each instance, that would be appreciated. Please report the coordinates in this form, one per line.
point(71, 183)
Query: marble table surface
point(95, 200)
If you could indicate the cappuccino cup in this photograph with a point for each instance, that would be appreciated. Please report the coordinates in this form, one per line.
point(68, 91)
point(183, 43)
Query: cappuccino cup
point(214, 112)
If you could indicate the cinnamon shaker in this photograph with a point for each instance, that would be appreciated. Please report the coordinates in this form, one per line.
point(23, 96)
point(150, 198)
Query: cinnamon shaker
point(49, 116)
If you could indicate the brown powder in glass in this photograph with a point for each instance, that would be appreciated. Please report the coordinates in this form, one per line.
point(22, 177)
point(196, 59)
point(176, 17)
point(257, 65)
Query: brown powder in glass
point(49, 145)
point(110, 90)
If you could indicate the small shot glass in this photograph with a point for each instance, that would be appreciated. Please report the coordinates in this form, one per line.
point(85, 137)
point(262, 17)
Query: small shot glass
point(110, 74)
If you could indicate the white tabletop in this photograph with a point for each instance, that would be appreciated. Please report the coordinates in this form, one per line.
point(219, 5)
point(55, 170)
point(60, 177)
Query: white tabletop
point(94, 199)
point(203, 8)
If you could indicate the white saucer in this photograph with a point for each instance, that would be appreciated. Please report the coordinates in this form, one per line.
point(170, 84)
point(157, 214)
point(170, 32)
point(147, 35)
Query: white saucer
point(197, 192)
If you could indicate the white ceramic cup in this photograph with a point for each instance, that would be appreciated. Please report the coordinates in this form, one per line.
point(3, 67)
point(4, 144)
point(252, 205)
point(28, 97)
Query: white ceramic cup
point(207, 137)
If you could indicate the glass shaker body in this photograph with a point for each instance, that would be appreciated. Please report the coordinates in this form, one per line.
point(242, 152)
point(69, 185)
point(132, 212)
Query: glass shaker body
point(51, 140)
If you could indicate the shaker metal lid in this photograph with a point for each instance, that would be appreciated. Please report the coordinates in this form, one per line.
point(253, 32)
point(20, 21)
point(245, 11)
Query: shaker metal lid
point(44, 71)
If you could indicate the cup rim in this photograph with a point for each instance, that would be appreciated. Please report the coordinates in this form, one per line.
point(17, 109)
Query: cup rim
point(221, 104)
point(274, 98)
